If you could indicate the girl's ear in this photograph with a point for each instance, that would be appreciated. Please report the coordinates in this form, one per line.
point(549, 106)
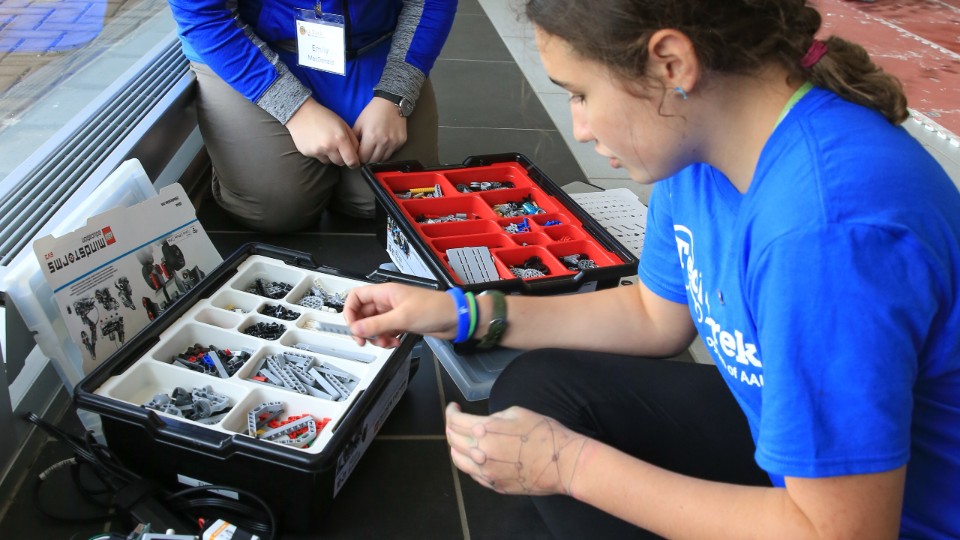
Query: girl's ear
point(672, 60)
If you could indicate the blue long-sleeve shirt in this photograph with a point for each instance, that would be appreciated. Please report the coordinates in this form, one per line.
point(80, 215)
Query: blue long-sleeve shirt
point(241, 41)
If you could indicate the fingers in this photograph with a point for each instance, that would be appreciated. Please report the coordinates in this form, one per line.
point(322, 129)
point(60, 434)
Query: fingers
point(380, 130)
point(378, 328)
point(461, 422)
point(371, 152)
point(375, 148)
point(466, 445)
point(469, 462)
point(319, 133)
point(362, 303)
point(346, 154)
point(349, 155)
point(390, 309)
point(371, 315)
point(465, 432)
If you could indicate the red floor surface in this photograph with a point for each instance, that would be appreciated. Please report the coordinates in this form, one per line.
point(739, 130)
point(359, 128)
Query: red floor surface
point(916, 40)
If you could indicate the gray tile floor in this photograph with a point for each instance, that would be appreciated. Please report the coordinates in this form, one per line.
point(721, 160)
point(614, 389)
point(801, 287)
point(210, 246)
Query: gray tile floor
point(405, 486)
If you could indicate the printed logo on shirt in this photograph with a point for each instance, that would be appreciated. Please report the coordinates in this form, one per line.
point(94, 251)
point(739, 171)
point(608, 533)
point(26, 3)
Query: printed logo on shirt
point(738, 357)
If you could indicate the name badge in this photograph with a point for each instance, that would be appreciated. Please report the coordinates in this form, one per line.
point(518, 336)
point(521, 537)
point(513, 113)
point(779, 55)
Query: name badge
point(321, 41)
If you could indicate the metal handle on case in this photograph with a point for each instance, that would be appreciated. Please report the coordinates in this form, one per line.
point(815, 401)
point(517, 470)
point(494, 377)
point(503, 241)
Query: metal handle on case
point(383, 276)
point(289, 256)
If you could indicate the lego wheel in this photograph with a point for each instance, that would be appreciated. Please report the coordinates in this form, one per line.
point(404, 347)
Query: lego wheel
point(151, 277)
point(173, 256)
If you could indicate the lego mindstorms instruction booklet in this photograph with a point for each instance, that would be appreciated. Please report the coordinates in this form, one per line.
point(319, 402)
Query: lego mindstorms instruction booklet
point(123, 268)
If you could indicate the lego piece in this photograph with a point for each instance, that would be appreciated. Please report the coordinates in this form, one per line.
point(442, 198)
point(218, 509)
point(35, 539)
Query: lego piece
point(577, 262)
point(319, 326)
point(218, 401)
point(301, 374)
point(327, 368)
point(339, 353)
point(279, 434)
point(271, 378)
point(473, 187)
point(312, 302)
point(338, 384)
point(523, 207)
point(327, 386)
point(218, 365)
point(530, 268)
point(222, 530)
point(526, 273)
point(197, 404)
point(265, 330)
point(319, 299)
point(260, 415)
point(289, 381)
point(437, 218)
point(473, 264)
point(269, 289)
point(212, 361)
point(301, 360)
point(279, 312)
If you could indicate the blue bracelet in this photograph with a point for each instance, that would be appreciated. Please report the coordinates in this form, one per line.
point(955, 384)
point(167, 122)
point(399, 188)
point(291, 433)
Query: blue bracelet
point(463, 315)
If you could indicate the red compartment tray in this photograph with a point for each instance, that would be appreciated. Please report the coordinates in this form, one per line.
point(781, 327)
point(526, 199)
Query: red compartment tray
point(504, 203)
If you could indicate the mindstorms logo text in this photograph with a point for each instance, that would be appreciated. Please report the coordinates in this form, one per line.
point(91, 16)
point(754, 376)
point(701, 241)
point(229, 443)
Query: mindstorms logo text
point(89, 245)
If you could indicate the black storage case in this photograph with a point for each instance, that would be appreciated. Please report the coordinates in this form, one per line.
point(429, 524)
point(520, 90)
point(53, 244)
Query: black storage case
point(298, 484)
point(394, 216)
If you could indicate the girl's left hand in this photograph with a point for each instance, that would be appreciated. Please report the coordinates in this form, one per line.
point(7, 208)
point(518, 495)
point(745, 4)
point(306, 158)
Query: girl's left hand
point(514, 451)
point(381, 131)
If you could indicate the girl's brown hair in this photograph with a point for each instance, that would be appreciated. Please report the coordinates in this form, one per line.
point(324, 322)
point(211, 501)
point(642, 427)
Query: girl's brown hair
point(730, 36)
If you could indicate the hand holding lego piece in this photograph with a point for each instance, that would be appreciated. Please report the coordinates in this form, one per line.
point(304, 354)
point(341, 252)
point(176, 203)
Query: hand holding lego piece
point(515, 451)
point(381, 131)
point(381, 312)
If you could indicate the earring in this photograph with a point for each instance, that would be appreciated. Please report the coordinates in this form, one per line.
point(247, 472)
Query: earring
point(681, 92)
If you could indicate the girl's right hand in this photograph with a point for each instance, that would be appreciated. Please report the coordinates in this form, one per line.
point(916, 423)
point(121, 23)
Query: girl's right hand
point(379, 313)
point(319, 133)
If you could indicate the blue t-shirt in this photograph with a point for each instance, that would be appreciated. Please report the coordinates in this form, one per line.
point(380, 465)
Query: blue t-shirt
point(829, 297)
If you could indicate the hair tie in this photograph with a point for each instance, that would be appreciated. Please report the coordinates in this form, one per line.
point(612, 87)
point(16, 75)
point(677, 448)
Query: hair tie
point(814, 54)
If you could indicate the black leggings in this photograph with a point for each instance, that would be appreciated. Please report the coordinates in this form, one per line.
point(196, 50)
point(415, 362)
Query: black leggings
point(676, 415)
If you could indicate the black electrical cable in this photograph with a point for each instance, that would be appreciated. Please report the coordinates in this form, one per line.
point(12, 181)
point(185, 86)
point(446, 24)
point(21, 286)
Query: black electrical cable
point(93, 496)
point(271, 517)
point(236, 517)
point(108, 470)
point(73, 442)
point(76, 446)
point(38, 503)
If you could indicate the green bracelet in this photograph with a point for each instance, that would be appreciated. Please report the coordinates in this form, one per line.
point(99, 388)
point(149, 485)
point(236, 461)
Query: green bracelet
point(472, 305)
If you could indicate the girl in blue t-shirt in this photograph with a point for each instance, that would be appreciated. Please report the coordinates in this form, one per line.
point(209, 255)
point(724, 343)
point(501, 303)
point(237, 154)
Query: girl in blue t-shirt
point(809, 241)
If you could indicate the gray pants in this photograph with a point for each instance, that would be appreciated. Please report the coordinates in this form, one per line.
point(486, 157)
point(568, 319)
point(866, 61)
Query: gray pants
point(265, 183)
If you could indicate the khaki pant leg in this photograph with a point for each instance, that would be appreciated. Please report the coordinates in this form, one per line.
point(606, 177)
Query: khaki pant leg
point(260, 177)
